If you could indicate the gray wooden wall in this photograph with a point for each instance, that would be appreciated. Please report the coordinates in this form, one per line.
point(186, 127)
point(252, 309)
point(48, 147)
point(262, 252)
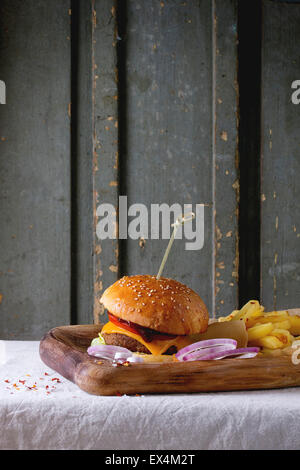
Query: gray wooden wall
point(161, 101)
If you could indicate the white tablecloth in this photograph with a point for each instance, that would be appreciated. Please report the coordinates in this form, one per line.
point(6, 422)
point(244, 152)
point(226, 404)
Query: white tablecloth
point(39, 409)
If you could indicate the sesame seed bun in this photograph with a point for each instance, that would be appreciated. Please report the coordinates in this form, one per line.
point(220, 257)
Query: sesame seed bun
point(164, 305)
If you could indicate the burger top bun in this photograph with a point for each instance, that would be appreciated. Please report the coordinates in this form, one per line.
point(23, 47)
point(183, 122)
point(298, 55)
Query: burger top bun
point(164, 305)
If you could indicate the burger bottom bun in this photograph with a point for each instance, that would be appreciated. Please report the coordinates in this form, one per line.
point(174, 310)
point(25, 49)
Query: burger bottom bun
point(117, 339)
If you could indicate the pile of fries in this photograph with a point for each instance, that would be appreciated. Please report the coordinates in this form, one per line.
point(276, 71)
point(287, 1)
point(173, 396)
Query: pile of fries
point(268, 330)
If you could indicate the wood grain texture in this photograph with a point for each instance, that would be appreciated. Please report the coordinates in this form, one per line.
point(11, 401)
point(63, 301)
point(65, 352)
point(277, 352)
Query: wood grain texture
point(82, 165)
point(225, 158)
point(280, 170)
point(34, 167)
point(64, 350)
point(105, 142)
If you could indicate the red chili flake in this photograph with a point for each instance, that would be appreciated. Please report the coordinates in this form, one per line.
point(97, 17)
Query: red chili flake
point(57, 380)
point(46, 373)
point(7, 381)
point(22, 381)
point(47, 386)
point(118, 394)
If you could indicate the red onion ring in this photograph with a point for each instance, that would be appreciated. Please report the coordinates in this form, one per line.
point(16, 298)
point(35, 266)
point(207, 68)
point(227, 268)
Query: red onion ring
point(107, 351)
point(198, 353)
point(202, 345)
point(245, 353)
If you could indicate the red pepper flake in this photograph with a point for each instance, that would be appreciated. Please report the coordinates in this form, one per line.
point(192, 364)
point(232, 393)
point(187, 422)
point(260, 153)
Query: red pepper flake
point(22, 381)
point(47, 386)
point(57, 380)
point(118, 394)
point(7, 381)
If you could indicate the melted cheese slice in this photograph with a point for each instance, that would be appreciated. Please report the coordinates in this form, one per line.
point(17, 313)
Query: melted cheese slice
point(156, 346)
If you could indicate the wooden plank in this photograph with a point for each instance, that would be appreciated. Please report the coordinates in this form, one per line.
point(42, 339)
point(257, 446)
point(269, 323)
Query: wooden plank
point(35, 168)
point(169, 146)
point(82, 163)
point(225, 180)
point(105, 141)
point(280, 221)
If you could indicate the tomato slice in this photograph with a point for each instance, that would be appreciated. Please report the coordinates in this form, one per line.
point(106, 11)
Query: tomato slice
point(122, 323)
point(147, 334)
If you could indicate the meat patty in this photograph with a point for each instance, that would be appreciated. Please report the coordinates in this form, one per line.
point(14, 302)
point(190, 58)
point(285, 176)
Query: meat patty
point(116, 339)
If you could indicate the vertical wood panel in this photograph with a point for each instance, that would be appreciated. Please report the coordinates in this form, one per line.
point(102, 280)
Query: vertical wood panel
point(280, 230)
point(34, 167)
point(225, 157)
point(82, 112)
point(105, 140)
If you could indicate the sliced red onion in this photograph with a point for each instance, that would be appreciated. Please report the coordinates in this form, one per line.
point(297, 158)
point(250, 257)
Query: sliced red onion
point(245, 353)
point(202, 345)
point(107, 351)
point(198, 353)
point(122, 355)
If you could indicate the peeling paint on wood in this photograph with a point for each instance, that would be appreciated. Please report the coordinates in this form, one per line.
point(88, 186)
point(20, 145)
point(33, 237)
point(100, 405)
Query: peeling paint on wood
point(280, 247)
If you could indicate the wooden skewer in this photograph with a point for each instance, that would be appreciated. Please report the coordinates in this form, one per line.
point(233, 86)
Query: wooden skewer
point(179, 221)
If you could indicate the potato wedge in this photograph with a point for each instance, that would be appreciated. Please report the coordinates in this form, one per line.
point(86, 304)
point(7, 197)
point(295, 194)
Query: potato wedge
point(269, 342)
point(295, 325)
point(259, 331)
point(283, 335)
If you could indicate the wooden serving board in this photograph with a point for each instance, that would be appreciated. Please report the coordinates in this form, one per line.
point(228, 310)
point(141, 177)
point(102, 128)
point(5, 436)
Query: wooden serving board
point(64, 350)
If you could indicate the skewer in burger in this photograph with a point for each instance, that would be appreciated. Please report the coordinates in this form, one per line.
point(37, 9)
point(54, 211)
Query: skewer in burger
point(152, 316)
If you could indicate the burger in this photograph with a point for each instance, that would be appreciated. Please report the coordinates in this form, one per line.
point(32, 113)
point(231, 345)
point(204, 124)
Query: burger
point(152, 316)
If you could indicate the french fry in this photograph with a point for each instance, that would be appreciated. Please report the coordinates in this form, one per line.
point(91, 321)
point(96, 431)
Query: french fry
point(295, 325)
point(282, 325)
point(284, 336)
point(269, 342)
point(252, 318)
point(250, 307)
point(269, 330)
point(229, 317)
point(259, 331)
